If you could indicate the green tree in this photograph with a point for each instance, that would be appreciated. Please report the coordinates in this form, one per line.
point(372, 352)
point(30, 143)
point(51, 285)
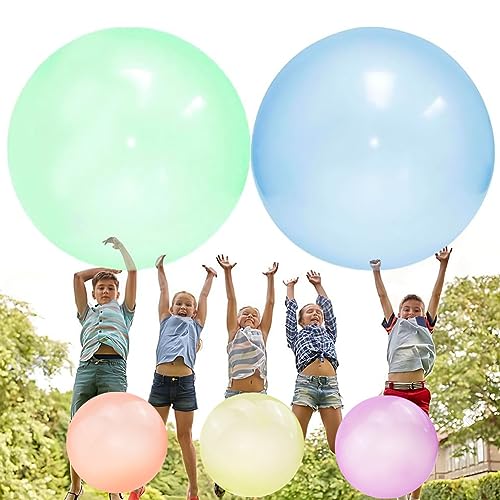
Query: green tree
point(33, 421)
point(466, 379)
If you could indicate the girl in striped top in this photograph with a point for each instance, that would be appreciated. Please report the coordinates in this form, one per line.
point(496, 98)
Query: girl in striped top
point(247, 337)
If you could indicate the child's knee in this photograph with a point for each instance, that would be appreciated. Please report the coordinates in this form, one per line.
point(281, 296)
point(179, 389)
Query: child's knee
point(184, 436)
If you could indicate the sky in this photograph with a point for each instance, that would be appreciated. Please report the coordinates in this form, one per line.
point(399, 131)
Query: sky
point(251, 42)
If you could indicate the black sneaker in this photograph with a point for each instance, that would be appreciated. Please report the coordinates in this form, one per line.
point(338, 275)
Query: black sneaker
point(219, 492)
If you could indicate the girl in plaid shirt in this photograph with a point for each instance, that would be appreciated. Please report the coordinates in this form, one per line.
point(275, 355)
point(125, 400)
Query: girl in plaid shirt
point(316, 387)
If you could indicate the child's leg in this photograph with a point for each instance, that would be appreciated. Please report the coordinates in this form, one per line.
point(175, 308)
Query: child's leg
point(84, 389)
point(111, 376)
point(422, 398)
point(163, 411)
point(76, 485)
point(305, 400)
point(303, 414)
point(331, 418)
point(330, 407)
point(184, 423)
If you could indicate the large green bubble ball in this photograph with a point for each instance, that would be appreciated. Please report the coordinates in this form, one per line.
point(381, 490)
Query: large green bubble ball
point(133, 133)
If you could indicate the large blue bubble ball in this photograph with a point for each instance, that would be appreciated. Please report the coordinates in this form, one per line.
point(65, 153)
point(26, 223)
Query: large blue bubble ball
point(372, 143)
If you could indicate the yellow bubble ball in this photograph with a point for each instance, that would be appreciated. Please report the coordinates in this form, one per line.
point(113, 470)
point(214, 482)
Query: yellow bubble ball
point(251, 445)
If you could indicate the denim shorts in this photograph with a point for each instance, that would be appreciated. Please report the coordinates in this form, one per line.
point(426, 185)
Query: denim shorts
point(98, 376)
point(317, 392)
point(178, 392)
point(231, 392)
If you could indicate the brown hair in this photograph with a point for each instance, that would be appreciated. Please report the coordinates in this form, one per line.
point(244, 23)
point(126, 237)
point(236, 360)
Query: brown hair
point(301, 312)
point(187, 293)
point(411, 296)
point(104, 275)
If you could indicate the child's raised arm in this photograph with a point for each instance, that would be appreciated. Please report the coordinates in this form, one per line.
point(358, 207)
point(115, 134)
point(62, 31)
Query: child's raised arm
point(232, 314)
point(80, 291)
point(267, 317)
point(291, 311)
point(131, 285)
point(315, 280)
point(201, 313)
point(324, 302)
point(164, 302)
point(443, 256)
point(382, 294)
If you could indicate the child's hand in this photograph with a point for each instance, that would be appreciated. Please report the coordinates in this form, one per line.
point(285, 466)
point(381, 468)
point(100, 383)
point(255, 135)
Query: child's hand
point(444, 254)
point(113, 241)
point(224, 263)
point(210, 271)
point(272, 270)
point(314, 277)
point(291, 282)
point(375, 263)
point(159, 261)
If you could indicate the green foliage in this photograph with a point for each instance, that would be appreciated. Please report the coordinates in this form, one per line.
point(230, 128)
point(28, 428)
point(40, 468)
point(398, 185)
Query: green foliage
point(319, 476)
point(485, 488)
point(466, 379)
point(488, 486)
point(32, 421)
point(456, 489)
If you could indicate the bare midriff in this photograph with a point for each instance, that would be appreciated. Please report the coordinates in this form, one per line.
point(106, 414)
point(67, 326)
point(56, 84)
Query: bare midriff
point(319, 368)
point(416, 376)
point(105, 349)
point(254, 383)
point(175, 368)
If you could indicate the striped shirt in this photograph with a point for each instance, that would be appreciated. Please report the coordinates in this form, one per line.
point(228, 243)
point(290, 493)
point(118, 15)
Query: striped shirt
point(410, 346)
point(313, 341)
point(107, 324)
point(179, 336)
point(247, 354)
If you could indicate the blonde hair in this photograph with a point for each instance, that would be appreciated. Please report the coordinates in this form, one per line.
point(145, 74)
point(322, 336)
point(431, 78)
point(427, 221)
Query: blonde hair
point(248, 307)
point(187, 293)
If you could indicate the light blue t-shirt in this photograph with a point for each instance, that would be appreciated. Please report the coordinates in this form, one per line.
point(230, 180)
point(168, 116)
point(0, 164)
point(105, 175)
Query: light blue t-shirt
point(179, 336)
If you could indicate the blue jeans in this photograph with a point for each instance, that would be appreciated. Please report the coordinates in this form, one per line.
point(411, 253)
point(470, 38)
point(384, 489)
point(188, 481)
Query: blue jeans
point(98, 376)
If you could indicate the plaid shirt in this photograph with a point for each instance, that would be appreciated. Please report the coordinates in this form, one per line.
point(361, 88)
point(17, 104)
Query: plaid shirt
point(313, 341)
